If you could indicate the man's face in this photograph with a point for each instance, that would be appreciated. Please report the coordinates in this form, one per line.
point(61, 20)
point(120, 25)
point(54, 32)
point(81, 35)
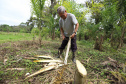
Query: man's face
point(63, 15)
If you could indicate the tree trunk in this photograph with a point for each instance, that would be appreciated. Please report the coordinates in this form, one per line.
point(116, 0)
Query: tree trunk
point(98, 43)
point(101, 42)
point(80, 73)
point(40, 39)
point(53, 33)
point(53, 3)
point(40, 29)
point(86, 37)
point(121, 39)
point(79, 37)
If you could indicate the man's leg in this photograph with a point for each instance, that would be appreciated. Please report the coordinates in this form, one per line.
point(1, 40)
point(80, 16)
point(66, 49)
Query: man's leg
point(62, 47)
point(73, 48)
point(73, 57)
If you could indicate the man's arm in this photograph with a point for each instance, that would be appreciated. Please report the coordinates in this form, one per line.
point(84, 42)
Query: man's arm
point(76, 28)
point(62, 33)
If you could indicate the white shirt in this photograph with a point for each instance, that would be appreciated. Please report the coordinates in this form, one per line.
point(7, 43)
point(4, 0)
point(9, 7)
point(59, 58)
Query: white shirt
point(68, 24)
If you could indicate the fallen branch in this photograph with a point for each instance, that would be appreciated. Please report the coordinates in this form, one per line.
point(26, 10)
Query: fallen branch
point(43, 56)
point(40, 71)
point(100, 80)
point(16, 69)
point(47, 61)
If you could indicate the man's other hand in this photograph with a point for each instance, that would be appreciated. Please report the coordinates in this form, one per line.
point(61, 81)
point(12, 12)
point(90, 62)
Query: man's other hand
point(72, 35)
point(63, 37)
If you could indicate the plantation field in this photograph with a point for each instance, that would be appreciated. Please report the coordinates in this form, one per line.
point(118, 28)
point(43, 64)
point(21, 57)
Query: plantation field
point(103, 67)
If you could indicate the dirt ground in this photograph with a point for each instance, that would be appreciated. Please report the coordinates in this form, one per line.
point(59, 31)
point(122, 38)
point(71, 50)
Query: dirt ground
point(16, 52)
point(13, 55)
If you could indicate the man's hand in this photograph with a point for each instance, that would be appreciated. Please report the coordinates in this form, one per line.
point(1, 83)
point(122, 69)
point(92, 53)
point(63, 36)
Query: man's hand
point(62, 32)
point(72, 35)
point(76, 28)
point(63, 37)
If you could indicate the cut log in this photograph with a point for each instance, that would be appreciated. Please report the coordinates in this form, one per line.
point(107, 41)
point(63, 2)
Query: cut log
point(80, 73)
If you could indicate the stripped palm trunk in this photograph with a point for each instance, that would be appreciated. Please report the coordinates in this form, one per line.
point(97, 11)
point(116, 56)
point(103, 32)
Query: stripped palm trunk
point(40, 71)
point(68, 47)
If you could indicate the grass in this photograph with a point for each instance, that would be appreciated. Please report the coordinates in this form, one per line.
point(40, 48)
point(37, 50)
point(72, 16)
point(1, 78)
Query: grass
point(11, 36)
point(25, 48)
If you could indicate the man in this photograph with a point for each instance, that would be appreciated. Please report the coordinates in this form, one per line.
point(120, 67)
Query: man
point(68, 26)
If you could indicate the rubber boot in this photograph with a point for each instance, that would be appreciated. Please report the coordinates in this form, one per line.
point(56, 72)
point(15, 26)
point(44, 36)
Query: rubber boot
point(73, 57)
point(60, 51)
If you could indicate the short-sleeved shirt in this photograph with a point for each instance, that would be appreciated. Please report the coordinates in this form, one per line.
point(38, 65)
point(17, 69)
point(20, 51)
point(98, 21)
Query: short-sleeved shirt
point(68, 24)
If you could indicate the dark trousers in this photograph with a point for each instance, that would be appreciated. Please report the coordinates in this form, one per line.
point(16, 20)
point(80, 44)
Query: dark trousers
point(73, 43)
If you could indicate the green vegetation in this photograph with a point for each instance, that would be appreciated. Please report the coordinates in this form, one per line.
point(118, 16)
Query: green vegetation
point(107, 21)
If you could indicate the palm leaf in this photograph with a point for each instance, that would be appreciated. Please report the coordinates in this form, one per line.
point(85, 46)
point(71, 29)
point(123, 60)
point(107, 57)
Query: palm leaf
point(43, 56)
point(40, 71)
point(47, 61)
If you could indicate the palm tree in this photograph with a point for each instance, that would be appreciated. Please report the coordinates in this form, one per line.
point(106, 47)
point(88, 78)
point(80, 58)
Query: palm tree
point(37, 9)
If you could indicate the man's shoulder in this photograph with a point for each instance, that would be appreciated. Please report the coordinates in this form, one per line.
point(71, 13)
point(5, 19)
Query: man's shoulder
point(60, 19)
point(70, 14)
